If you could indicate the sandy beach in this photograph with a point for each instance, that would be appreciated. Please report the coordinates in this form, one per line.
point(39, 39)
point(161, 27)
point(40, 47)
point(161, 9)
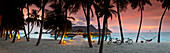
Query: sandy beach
point(52, 46)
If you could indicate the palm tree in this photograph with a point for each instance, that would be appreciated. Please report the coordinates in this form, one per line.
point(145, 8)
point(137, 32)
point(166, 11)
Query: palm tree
point(166, 5)
point(53, 18)
point(44, 2)
point(33, 20)
point(29, 3)
point(140, 4)
point(97, 10)
point(121, 6)
point(107, 12)
point(19, 23)
point(106, 30)
point(13, 15)
point(66, 22)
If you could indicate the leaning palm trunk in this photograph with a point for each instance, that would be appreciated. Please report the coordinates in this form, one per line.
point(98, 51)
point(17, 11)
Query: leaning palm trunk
point(98, 28)
point(55, 35)
point(64, 31)
point(6, 33)
point(62, 37)
point(17, 29)
point(28, 17)
point(10, 35)
point(161, 25)
point(14, 36)
point(58, 34)
point(106, 31)
point(31, 29)
point(103, 33)
point(25, 34)
point(139, 25)
point(88, 25)
point(41, 28)
point(120, 25)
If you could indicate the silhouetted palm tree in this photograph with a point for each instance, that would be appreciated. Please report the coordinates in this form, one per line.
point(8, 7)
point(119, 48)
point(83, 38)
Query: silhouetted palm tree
point(87, 4)
point(121, 6)
point(166, 5)
point(97, 10)
point(107, 12)
point(140, 4)
point(13, 15)
point(33, 20)
point(67, 5)
point(54, 18)
point(29, 3)
point(44, 2)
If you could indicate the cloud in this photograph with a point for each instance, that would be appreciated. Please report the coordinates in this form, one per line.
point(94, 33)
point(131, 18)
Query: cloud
point(80, 23)
point(130, 19)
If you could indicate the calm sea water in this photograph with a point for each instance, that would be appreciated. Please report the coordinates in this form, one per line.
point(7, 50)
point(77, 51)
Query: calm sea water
point(165, 36)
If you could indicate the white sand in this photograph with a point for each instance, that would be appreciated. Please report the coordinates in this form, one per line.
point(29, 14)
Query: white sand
point(52, 46)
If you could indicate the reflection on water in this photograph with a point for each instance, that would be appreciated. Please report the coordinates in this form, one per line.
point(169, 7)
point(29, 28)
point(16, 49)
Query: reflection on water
point(164, 36)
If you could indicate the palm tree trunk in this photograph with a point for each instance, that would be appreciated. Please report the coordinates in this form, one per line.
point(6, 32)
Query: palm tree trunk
point(161, 25)
point(17, 28)
point(88, 25)
point(18, 35)
point(41, 28)
point(24, 26)
point(25, 34)
point(58, 34)
point(98, 28)
point(31, 29)
point(120, 25)
point(62, 37)
point(28, 17)
point(14, 36)
point(106, 31)
point(10, 34)
point(1, 31)
point(55, 35)
point(64, 27)
point(6, 33)
point(103, 33)
point(140, 25)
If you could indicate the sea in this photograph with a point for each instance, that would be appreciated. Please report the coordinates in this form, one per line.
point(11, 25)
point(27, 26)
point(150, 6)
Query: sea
point(165, 36)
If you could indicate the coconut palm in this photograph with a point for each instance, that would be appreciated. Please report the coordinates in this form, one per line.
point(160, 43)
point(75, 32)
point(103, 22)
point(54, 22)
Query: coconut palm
point(87, 4)
point(54, 18)
point(67, 5)
point(165, 5)
point(29, 3)
point(107, 12)
point(97, 10)
point(44, 2)
point(33, 20)
point(121, 6)
point(140, 4)
point(13, 16)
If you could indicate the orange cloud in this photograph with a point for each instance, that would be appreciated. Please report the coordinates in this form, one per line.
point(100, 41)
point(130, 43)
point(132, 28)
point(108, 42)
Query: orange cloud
point(143, 27)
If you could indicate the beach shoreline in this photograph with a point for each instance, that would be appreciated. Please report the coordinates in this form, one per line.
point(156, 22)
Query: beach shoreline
point(52, 46)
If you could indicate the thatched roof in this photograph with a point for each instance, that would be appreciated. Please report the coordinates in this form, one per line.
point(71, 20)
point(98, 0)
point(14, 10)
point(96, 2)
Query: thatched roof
point(84, 29)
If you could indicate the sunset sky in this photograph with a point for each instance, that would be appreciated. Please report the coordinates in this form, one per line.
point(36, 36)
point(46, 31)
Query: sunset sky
point(130, 19)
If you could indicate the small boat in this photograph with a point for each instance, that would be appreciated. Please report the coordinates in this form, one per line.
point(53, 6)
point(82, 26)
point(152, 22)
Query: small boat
point(35, 32)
